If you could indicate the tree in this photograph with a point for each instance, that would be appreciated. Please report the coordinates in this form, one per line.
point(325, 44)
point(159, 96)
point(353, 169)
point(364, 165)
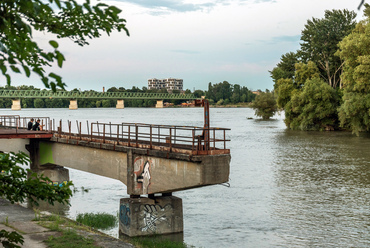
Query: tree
point(285, 68)
point(39, 103)
point(314, 107)
point(16, 186)
point(320, 39)
point(354, 113)
point(265, 105)
point(63, 18)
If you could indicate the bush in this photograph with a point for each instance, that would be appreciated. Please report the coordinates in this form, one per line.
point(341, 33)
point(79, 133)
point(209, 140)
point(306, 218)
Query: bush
point(265, 105)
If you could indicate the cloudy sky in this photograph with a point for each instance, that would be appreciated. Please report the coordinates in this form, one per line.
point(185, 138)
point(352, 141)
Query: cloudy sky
point(200, 41)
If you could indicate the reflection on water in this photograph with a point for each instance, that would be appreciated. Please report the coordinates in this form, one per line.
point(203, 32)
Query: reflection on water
point(287, 188)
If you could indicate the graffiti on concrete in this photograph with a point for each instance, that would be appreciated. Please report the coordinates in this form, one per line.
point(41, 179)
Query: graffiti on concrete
point(60, 184)
point(124, 215)
point(153, 215)
point(142, 169)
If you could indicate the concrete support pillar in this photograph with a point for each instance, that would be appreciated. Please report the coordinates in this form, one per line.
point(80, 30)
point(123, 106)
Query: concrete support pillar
point(58, 175)
point(148, 216)
point(16, 104)
point(159, 104)
point(120, 104)
point(73, 104)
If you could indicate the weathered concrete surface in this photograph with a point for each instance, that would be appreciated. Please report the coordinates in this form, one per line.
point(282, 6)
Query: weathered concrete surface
point(145, 216)
point(73, 104)
point(120, 104)
point(149, 174)
point(149, 171)
point(13, 145)
point(20, 219)
point(159, 104)
point(101, 162)
point(16, 104)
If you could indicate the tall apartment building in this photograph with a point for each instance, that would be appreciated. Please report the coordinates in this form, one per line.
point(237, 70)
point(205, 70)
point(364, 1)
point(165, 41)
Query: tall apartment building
point(169, 83)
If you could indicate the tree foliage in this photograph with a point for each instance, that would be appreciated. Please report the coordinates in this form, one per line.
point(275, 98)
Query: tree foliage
point(320, 39)
point(317, 62)
point(354, 113)
point(65, 19)
point(223, 93)
point(265, 105)
point(314, 107)
point(18, 185)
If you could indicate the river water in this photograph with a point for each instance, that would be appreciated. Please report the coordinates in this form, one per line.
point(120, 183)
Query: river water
point(287, 188)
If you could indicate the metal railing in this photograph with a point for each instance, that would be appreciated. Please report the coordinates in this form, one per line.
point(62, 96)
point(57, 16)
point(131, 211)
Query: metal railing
point(178, 139)
point(16, 122)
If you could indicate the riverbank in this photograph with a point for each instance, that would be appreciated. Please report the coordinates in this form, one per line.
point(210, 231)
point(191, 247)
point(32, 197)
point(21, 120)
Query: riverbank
point(36, 230)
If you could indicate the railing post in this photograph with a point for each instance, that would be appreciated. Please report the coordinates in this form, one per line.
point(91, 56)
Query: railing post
point(214, 139)
point(137, 134)
point(91, 138)
point(151, 132)
point(192, 147)
point(170, 139)
point(104, 133)
point(224, 139)
point(129, 135)
point(80, 132)
point(87, 125)
point(117, 134)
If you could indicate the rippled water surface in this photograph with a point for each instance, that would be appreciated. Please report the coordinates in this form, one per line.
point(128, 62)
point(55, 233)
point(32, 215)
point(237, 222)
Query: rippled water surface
point(287, 188)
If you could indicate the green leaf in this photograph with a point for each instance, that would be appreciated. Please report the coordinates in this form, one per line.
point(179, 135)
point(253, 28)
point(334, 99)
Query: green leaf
point(15, 69)
point(60, 58)
point(53, 43)
point(26, 70)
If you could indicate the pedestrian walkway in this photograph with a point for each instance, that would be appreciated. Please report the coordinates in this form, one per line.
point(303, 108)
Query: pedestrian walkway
point(20, 219)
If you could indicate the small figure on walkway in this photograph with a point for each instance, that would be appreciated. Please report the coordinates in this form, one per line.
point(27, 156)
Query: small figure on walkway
point(36, 125)
point(30, 124)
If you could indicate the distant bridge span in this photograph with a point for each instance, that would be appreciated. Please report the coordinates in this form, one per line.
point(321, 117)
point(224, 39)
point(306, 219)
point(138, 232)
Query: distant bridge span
point(17, 95)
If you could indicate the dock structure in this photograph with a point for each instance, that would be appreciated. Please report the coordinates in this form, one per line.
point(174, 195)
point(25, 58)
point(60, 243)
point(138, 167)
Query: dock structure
point(153, 161)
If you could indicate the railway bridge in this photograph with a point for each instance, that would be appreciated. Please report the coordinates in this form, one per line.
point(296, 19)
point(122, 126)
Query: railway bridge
point(73, 96)
point(151, 160)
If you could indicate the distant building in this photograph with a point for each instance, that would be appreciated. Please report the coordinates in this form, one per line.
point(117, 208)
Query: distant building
point(169, 83)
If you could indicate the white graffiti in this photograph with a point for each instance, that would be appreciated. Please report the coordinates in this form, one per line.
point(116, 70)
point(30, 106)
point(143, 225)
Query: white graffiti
point(153, 215)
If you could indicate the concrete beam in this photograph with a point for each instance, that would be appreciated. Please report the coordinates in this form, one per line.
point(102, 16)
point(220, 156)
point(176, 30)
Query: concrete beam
point(16, 104)
point(143, 174)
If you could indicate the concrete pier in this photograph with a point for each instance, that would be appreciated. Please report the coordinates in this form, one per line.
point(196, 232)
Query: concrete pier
point(16, 104)
point(120, 104)
point(146, 216)
point(73, 104)
point(159, 104)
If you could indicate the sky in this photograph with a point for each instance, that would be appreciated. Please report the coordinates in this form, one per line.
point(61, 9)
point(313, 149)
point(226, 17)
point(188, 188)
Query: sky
point(199, 41)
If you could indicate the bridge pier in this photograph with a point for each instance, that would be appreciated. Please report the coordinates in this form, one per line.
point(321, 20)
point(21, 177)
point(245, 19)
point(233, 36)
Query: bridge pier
point(16, 104)
point(57, 174)
point(144, 216)
point(120, 104)
point(159, 104)
point(73, 104)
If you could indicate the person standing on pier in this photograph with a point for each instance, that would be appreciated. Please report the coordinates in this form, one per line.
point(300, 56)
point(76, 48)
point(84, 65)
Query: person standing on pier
point(30, 124)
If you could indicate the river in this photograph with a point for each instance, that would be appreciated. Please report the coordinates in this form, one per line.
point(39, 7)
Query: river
point(287, 188)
